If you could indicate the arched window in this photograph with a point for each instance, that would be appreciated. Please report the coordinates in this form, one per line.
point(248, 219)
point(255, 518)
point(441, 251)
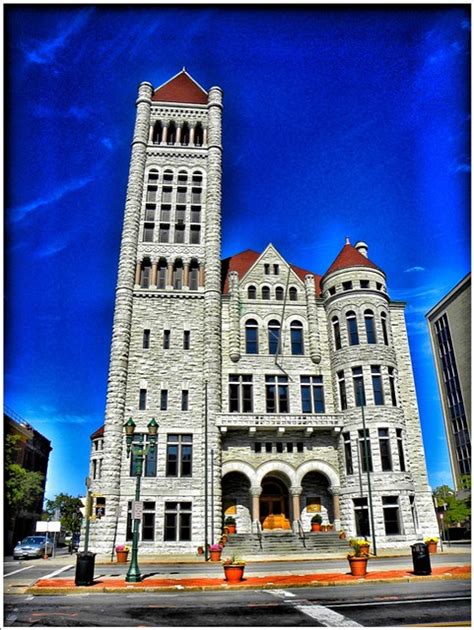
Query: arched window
point(185, 134)
point(153, 176)
point(273, 336)
point(182, 177)
point(265, 293)
point(145, 274)
point(279, 293)
point(352, 328)
point(251, 336)
point(197, 178)
point(178, 274)
point(157, 132)
point(252, 293)
point(293, 293)
point(383, 318)
point(369, 326)
point(194, 275)
point(162, 271)
point(198, 135)
point(296, 335)
point(337, 333)
point(168, 176)
point(171, 133)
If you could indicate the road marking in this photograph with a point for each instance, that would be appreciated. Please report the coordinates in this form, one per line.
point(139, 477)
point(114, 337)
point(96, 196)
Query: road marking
point(278, 592)
point(50, 575)
point(18, 570)
point(398, 602)
point(326, 616)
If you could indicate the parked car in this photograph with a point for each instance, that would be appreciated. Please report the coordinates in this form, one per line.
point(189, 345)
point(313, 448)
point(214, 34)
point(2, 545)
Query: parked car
point(33, 547)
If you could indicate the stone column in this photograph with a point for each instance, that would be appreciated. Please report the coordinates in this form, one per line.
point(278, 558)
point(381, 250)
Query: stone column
point(234, 345)
point(150, 137)
point(191, 134)
point(164, 134)
point(204, 136)
point(185, 275)
point(169, 281)
point(296, 505)
point(138, 271)
point(335, 491)
point(102, 539)
point(255, 492)
point(179, 128)
point(154, 270)
point(311, 309)
point(201, 274)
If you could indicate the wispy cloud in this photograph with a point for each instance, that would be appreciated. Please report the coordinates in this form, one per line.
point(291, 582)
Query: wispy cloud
point(47, 111)
point(50, 250)
point(20, 212)
point(463, 168)
point(45, 51)
point(411, 269)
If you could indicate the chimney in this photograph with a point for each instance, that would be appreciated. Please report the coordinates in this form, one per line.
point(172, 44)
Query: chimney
point(362, 247)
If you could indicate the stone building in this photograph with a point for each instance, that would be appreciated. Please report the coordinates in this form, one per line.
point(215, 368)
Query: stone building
point(248, 364)
point(449, 323)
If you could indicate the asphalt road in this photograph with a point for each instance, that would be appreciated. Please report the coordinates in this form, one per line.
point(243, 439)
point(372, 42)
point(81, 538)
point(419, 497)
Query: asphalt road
point(387, 604)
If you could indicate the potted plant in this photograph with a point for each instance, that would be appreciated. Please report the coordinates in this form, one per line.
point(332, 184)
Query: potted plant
point(342, 535)
point(230, 524)
point(432, 542)
point(358, 558)
point(316, 523)
point(215, 551)
point(122, 553)
point(200, 551)
point(234, 569)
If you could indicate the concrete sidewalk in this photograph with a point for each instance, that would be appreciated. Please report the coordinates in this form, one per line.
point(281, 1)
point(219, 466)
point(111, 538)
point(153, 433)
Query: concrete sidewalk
point(62, 586)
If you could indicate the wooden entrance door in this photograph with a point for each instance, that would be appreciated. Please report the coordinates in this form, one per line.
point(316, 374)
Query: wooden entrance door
point(274, 506)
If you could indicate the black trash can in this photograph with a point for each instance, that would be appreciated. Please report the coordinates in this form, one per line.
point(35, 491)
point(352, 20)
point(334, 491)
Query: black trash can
point(85, 568)
point(421, 559)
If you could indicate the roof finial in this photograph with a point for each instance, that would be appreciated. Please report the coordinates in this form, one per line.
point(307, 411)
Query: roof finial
point(347, 241)
point(184, 69)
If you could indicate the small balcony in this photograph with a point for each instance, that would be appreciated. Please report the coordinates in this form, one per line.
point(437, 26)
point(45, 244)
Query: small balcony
point(280, 423)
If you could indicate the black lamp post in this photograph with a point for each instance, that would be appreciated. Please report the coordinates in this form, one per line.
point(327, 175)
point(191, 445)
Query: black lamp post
point(367, 464)
point(139, 452)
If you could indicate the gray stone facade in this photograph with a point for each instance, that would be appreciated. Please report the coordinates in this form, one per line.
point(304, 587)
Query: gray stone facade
point(263, 425)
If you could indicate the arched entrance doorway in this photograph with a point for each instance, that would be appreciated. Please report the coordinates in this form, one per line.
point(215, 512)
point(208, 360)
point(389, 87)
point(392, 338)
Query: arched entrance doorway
point(274, 504)
point(236, 499)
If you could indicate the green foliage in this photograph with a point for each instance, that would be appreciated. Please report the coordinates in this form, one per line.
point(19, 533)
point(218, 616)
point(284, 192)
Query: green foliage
point(68, 507)
point(466, 482)
point(230, 520)
point(23, 487)
point(457, 510)
point(317, 518)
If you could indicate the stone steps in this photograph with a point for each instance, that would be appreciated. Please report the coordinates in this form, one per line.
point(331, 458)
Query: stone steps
point(278, 543)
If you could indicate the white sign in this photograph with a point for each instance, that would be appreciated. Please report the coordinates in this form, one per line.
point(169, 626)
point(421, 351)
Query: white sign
point(48, 526)
point(137, 510)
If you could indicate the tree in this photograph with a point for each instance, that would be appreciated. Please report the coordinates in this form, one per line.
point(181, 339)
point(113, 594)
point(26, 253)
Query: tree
point(69, 512)
point(457, 510)
point(23, 488)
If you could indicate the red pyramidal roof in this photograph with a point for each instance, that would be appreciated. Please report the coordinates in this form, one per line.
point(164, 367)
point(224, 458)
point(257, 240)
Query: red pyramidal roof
point(182, 88)
point(349, 256)
point(243, 261)
point(98, 433)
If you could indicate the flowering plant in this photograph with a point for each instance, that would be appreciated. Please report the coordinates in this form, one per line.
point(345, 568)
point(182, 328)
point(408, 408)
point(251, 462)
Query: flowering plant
point(431, 539)
point(215, 547)
point(234, 561)
point(122, 548)
point(357, 544)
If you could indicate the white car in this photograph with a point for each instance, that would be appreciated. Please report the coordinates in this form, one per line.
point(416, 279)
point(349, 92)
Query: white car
point(33, 547)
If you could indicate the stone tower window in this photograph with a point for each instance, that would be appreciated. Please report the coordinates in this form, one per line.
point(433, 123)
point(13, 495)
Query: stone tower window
point(370, 326)
point(178, 274)
point(365, 460)
point(153, 176)
point(359, 390)
point(251, 337)
point(336, 332)
point(194, 275)
point(162, 271)
point(171, 133)
point(293, 293)
point(352, 328)
point(383, 319)
point(296, 336)
point(195, 234)
point(145, 274)
point(265, 293)
point(157, 132)
point(348, 453)
point(182, 177)
point(391, 382)
point(377, 384)
point(342, 390)
point(168, 176)
point(252, 293)
point(279, 293)
point(273, 336)
point(142, 399)
point(385, 453)
point(185, 134)
point(198, 135)
point(148, 231)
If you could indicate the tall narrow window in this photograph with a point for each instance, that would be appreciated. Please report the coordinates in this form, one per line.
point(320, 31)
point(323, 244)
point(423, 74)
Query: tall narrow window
point(178, 274)
point(337, 333)
point(164, 234)
point(276, 390)
point(149, 464)
point(296, 335)
point(273, 336)
point(251, 293)
point(391, 381)
point(401, 454)
point(414, 514)
point(148, 230)
point(385, 453)
point(369, 326)
point(365, 458)
point(147, 522)
point(198, 135)
point(177, 520)
point(352, 328)
point(157, 131)
point(145, 274)
point(184, 400)
point(179, 449)
point(194, 275)
point(142, 399)
point(377, 384)
point(179, 236)
point(251, 337)
point(312, 394)
point(342, 390)
point(185, 134)
point(359, 390)
point(361, 514)
point(146, 338)
point(162, 270)
point(196, 196)
point(266, 269)
point(166, 339)
point(164, 400)
point(276, 269)
point(293, 294)
point(391, 516)
point(265, 293)
point(383, 319)
point(279, 293)
point(186, 339)
point(171, 133)
point(240, 393)
point(348, 453)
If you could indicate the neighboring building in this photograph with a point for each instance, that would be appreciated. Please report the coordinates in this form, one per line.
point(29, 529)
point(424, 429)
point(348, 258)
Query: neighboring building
point(450, 332)
point(32, 453)
point(251, 357)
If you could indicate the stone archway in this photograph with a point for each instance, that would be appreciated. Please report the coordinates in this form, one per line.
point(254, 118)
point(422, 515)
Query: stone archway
point(274, 508)
point(237, 478)
point(319, 489)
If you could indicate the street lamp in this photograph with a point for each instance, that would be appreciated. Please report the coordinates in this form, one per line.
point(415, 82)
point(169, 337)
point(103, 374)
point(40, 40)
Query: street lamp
point(139, 452)
point(367, 464)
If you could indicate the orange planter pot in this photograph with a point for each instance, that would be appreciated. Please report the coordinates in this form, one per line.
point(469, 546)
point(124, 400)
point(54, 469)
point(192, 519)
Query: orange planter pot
point(122, 557)
point(231, 529)
point(215, 555)
point(432, 547)
point(315, 527)
point(358, 566)
point(234, 573)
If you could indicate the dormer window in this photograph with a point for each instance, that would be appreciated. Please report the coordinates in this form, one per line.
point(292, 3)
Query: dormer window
point(279, 293)
point(276, 269)
point(266, 269)
point(346, 286)
point(265, 293)
point(252, 293)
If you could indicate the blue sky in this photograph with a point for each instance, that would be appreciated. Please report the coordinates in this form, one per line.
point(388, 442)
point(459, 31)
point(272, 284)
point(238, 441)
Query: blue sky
point(337, 122)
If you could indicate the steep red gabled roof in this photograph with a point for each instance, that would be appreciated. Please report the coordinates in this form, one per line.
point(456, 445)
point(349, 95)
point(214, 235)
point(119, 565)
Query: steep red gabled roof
point(349, 256)
point(242, 263)
point(181, 88)
point(98, 433)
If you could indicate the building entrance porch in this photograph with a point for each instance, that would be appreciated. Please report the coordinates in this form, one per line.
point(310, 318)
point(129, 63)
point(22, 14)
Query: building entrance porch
point(274, 509)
